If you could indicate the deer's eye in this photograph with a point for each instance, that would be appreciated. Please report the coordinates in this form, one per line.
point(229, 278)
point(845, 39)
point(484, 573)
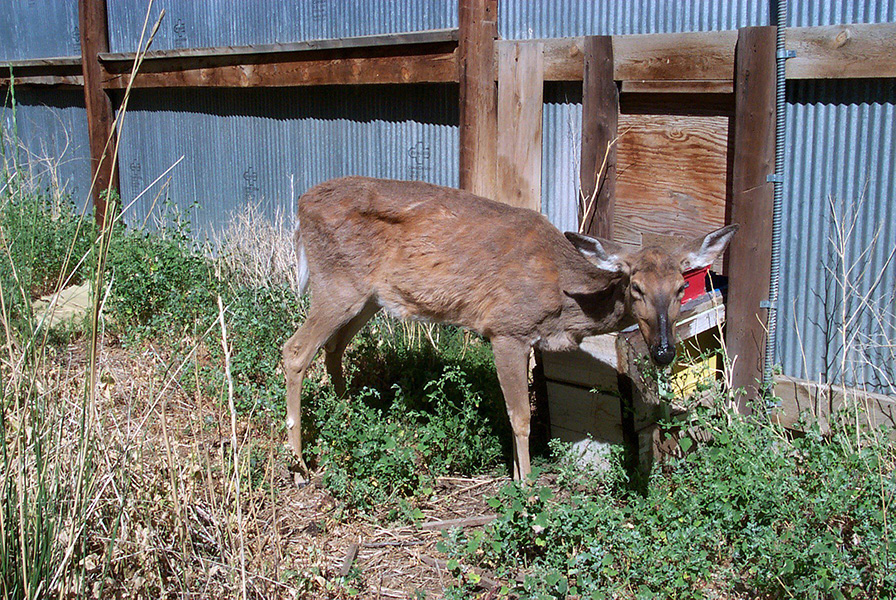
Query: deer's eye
point(636, 290)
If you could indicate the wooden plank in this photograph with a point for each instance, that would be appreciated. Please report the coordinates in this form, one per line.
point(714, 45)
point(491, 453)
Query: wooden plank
point(679, 86)
point(100, 118)
point(520, 105)
point(600, 118)
point(59, 61)
point(478, 95)
point(751, 205)
point(579, 410)
point(679, 56)
point(579, 368)
point(426, 68)
point(61, 71)
point(252, 52)
point(564, 58)
point(842, 51)
point(65, 81)
point(672, 173)
point(805, 403)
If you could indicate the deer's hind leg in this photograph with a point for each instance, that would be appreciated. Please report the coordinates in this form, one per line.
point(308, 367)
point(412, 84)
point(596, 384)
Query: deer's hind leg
point(325, 319)
point(335, 346)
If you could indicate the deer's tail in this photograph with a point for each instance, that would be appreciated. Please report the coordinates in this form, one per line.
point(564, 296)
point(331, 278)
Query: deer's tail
point(301, 261)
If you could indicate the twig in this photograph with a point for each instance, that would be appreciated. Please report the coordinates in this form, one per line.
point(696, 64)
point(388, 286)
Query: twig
point(233, 444)
point(350, 555)
point(466, 522)
point(396, 543)
point(588, 203)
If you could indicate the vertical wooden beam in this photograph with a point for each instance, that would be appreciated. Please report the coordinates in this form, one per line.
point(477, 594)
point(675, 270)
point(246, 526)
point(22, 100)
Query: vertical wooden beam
point(752, 199)
point(478, 28)
point(100, 116)
point(600, 120)
point(520, 107)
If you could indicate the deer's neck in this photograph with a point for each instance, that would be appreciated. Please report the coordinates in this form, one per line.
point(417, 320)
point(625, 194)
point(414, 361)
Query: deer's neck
point(594, 304)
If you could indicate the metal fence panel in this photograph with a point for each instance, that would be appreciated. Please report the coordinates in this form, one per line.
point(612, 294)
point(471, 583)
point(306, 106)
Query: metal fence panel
point(46, 135)
point(205, 23)
point(839, 211)
point(38, 29)
point(269, 146)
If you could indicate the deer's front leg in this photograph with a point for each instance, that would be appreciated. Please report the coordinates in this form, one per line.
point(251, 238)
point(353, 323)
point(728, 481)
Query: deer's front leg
point(512, 364)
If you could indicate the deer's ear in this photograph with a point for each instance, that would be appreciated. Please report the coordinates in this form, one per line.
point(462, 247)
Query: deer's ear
point(703, 251)
point(603, 254)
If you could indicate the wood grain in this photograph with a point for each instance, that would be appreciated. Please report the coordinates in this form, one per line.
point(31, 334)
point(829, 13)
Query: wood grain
point(752, 198)
point(600, 119)
point(418, 68)
point(100, 117)
point(478, 95)
point(671, 176)
point(841, 51)
point(251, 52)
point(520, 106)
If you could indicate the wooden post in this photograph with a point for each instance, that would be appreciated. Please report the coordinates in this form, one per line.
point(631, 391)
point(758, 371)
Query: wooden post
point(752, 198)
point(478, 97)
point(520, 107)
point(600, 120)
point(100, 116)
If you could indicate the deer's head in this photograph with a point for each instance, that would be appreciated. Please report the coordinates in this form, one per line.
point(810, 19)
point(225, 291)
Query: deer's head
point(654, 281)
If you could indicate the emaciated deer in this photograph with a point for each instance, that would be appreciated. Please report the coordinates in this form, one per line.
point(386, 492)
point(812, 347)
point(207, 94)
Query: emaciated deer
point(426, 252)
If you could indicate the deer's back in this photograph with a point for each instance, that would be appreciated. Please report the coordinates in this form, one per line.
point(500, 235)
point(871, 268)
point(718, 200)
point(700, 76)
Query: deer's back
point(430, 252)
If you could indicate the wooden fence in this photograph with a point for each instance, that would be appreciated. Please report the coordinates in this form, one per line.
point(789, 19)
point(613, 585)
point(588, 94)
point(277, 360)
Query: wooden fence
point(692, 113)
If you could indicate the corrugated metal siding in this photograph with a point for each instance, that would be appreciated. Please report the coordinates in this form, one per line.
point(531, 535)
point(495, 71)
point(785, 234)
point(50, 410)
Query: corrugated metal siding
point(204, 23)
point(839, 167)
point(269, 146)
point(38, 29)
point(560, 158)
point(49, 133)
point(527, 19)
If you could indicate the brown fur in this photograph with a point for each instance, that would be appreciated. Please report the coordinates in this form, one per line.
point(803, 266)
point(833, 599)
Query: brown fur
point(422, 251)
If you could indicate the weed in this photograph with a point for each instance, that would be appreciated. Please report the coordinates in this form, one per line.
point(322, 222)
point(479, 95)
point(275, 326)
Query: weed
point(373, 456)
point(752, 512)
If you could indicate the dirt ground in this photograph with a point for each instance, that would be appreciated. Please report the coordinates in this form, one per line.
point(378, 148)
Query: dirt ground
point(183, 532)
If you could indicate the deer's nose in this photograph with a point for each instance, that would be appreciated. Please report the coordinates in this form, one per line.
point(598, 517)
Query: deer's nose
point(663, 354)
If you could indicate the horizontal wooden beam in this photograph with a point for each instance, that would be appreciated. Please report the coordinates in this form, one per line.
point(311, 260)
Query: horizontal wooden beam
point(698, 62)
point(57, 71)
point(837, 52)
point(842, 51)
point(437, 67)
point(806, 402)
point(648, 57)
point(251, 52)
point(679, 86)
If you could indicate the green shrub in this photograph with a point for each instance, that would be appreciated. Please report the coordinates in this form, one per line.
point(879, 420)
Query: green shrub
point(259, 321)
point(160, 287)
point(373, 456)
point(38, 233)
point(754, 513)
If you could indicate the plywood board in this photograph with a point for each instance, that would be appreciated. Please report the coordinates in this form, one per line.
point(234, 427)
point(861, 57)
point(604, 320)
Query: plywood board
point(671, 176)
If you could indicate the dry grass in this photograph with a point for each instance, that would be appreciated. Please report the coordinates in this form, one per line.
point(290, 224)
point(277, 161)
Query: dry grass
point(161, 501)
point(260, 250)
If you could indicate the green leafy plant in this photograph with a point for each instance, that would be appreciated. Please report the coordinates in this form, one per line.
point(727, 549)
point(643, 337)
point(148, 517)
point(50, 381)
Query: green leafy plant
point(753, 512)
point(373, 456)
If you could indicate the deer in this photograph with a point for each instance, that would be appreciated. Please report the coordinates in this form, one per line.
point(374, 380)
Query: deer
point(426, 252)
